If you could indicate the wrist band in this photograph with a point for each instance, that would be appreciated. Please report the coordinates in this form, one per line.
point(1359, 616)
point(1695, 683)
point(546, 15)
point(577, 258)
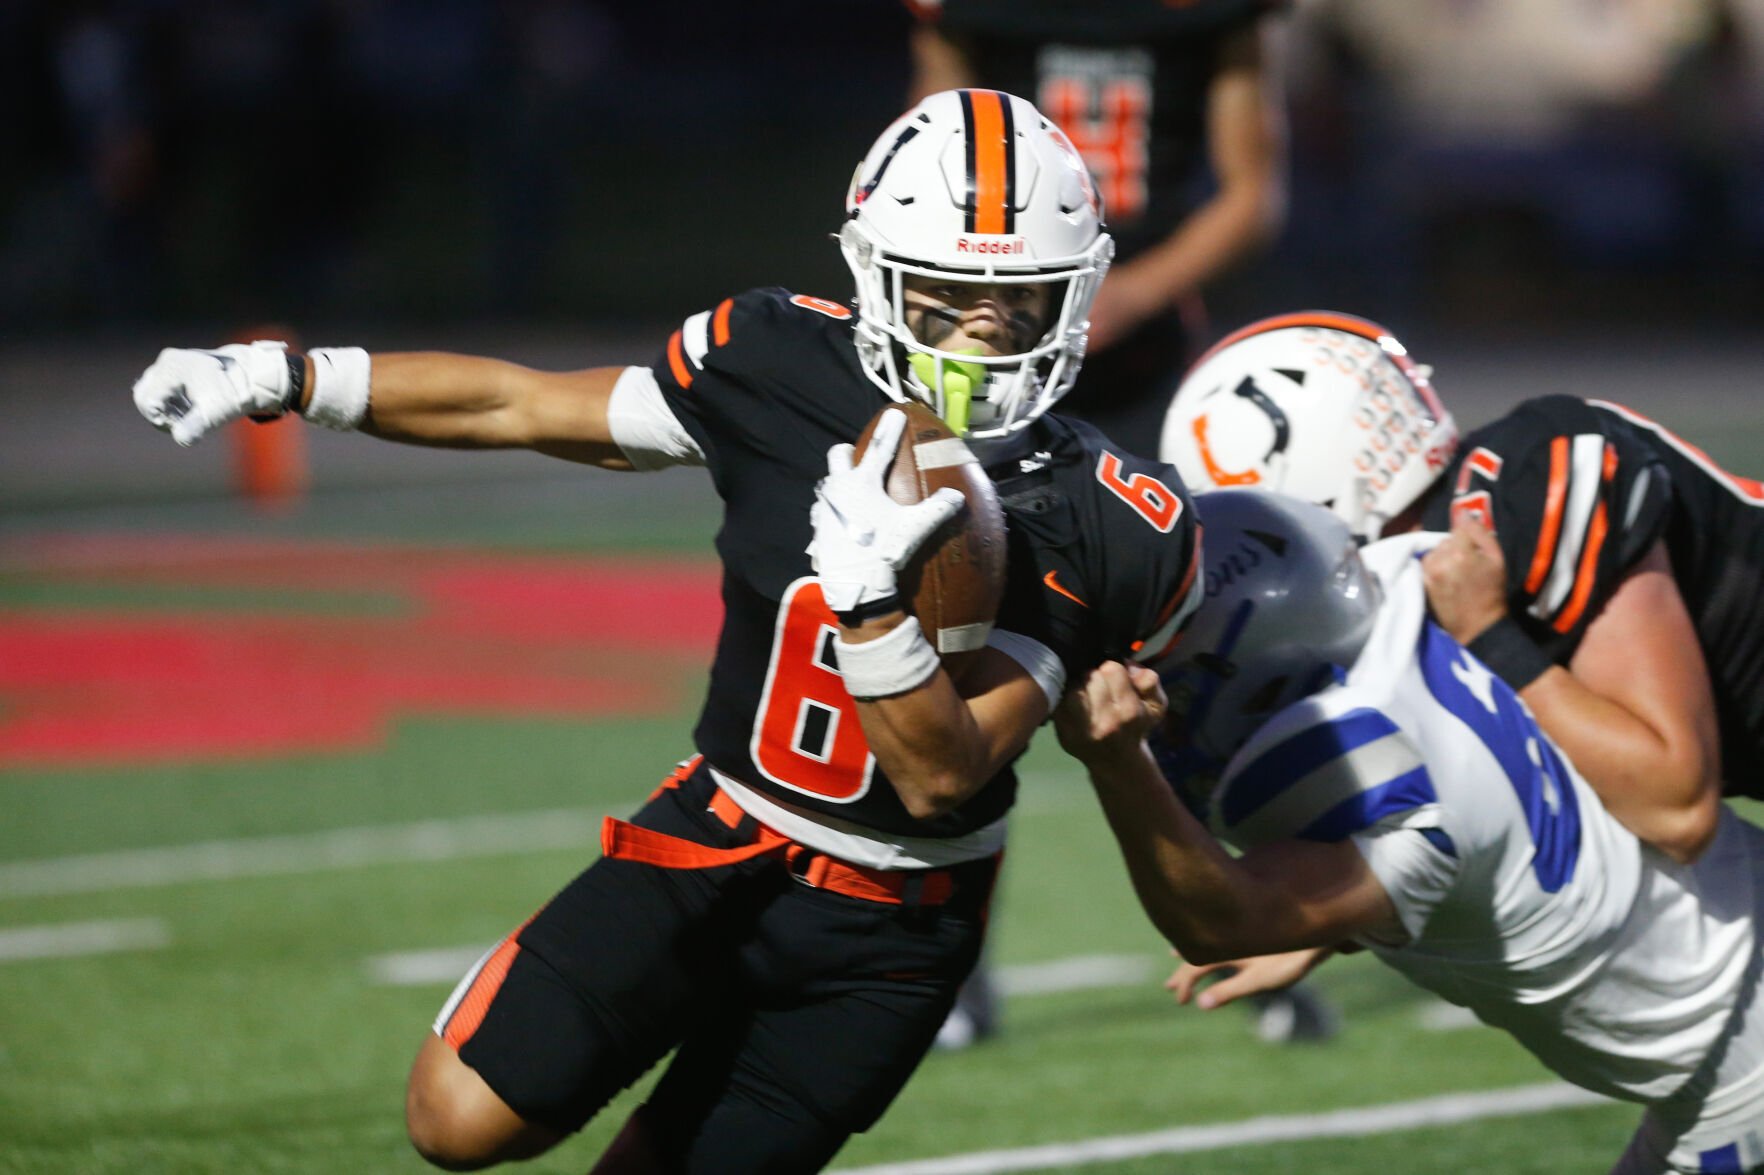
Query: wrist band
point(296, 381)
point(340, 377)
point(1505, 648)
point(869, 610)
point(891, 664)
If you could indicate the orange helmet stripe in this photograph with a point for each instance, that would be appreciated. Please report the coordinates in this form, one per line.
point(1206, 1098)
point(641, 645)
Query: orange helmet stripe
point(989, 160)
point(1327, 319)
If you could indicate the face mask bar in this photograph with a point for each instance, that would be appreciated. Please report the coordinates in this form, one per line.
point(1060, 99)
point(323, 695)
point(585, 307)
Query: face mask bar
point(1017, 387)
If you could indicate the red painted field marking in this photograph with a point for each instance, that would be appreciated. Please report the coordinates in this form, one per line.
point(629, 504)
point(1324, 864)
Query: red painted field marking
point(469, 632)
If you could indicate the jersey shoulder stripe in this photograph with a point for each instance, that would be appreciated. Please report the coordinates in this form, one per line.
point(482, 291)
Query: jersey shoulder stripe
point(745, 330)
point(1578, 522)
point(1575, 494)
point(1362, 810)
point(1334, 775)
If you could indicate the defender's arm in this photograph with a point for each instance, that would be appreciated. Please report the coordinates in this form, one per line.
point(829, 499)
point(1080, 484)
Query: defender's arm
point(1633, 710)
point(1209, 905)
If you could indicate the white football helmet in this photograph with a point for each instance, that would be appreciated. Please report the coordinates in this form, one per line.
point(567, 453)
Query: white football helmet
point(974, 186)
point(1288, 604)
point(1323, 406)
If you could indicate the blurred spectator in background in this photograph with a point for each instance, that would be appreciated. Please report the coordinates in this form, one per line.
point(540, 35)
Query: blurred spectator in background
point(1177, 110)
point(86, 170)
point(1452, 149)
point(1522, 164)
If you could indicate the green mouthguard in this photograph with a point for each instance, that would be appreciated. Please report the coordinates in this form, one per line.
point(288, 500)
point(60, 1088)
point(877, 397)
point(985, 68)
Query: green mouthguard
point(959, 381)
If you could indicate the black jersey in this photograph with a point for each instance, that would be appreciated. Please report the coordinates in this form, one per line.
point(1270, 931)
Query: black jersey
point(1125, 79)
point(1102, 550)
point(1577, 492)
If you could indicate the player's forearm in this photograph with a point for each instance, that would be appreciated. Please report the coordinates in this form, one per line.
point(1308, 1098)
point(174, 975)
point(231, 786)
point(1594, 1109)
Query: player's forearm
point(1663, 786)
point(469, 402)
point(927, 742)
point(1199, 897)
point(1215, 237)
point(938, 64)
point(435, 398)
point(940, 741)
point(1246, 145)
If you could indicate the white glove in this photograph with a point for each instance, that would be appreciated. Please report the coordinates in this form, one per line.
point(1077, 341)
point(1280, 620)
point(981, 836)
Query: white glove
point(862, 536)
point(190, 393)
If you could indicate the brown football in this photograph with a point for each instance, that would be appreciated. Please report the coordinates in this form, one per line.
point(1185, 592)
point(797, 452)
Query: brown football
point(956, 580)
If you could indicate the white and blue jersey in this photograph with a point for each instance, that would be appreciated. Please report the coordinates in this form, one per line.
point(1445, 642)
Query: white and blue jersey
point(1519, 896)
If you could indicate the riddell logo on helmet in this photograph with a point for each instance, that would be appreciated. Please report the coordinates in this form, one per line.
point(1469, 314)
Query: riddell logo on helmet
point(991, 245)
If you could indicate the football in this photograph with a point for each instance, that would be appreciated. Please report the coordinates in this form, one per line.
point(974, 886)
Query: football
point(956, 580)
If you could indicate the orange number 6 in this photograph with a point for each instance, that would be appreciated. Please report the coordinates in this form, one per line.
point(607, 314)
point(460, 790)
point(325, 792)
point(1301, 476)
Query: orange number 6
point(807, 736)
point(1156, 502)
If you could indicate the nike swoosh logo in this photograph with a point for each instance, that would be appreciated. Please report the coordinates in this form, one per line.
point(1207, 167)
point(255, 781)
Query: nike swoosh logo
point(1051, 580)
point(226, 361)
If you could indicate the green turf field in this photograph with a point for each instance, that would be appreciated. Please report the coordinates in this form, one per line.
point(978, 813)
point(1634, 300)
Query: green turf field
point(242, 1021)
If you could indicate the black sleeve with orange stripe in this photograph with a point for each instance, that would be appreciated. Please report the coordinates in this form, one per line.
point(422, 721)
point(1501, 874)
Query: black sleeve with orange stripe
point(1575, 496)
point(743, 376)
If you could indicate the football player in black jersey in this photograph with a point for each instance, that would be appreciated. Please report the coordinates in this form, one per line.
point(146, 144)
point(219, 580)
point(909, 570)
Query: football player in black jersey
point(1178, 113)
point(1602, 566)
point(1177, 109)
point(795, 907)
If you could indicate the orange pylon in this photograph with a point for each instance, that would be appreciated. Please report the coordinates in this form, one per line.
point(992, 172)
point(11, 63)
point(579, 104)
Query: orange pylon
point(269, 459)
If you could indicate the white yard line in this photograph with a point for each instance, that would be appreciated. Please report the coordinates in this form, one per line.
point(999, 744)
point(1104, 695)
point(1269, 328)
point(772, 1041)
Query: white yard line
point(65, 940)
point(1078, 973)
point(342, 848)
point(420, 968)
point(1446, 1110)
point(1439, 1016)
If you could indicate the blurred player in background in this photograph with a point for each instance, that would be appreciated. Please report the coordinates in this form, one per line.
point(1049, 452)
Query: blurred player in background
point(1386, 787)
point(1178, 112)
point(796, 906)
point(1179, 116)
point(1606, 569)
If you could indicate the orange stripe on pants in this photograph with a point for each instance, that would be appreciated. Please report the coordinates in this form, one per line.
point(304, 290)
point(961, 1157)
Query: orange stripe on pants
point(472, 1009)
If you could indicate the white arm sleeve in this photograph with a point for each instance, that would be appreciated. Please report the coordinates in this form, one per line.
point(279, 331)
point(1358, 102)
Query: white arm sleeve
point(643, 426)
point(1414, 870)
point(1040, 661)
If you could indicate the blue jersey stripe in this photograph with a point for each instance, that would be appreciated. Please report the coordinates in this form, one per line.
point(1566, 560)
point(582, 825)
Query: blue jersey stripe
point(1723, 1160)
point(1405, 793)
point(1290, 761)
